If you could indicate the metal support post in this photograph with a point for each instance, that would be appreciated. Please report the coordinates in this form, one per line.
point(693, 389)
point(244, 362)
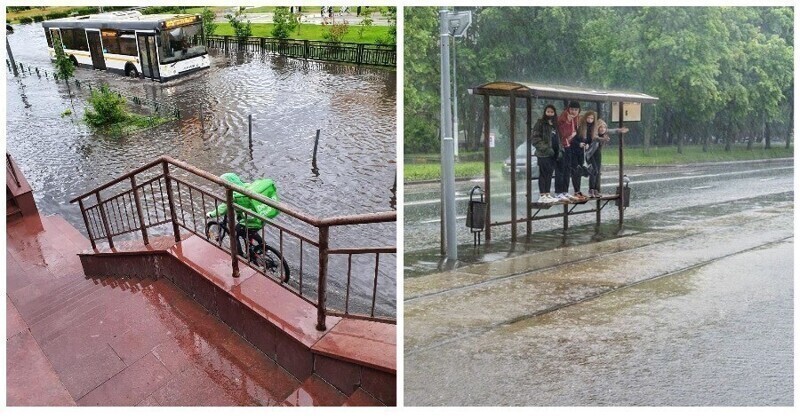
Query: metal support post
point(322, 280)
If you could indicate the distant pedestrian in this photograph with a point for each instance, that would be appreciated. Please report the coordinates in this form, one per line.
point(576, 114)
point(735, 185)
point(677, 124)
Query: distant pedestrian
point(358, 11)
point(322, 12)
point(544, 138)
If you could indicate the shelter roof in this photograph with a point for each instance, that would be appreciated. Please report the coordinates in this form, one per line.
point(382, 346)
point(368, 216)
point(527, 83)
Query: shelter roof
point(522, 89)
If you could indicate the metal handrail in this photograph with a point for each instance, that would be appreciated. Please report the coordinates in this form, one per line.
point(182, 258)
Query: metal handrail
point(103, 223)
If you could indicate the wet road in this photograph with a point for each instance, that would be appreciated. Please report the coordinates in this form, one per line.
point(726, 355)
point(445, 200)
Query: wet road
point(655, 191)
point(689, 306)
point(289, 100)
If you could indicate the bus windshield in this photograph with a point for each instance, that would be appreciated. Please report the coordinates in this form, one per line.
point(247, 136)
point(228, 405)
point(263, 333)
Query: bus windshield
point(181, 43)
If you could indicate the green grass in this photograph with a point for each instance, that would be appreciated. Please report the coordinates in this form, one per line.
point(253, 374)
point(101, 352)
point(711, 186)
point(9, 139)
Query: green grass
point(431, 171)
point(199, 10)
point(262, 9)
point(36, 11)
point(657, 156)
point(312, 32)
point(134, 123)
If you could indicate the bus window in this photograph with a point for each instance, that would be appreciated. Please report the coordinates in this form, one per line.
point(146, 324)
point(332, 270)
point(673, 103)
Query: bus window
point(127, 45)
point(75, 39)
point(49, 39)
point(181, 43)
point(110, 42)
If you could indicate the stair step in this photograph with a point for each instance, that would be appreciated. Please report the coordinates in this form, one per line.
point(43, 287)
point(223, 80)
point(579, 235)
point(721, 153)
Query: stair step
point(362, 398)
point(315, 392)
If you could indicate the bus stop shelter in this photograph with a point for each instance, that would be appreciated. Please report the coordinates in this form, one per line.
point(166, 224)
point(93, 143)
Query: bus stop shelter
point(531, 92)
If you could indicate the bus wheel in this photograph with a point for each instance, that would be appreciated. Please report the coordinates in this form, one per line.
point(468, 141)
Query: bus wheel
point(74, 60)
point(131, 71)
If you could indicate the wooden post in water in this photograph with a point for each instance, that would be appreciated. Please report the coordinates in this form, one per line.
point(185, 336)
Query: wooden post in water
point(202, 124)
point(250, 130)
point(314, 158)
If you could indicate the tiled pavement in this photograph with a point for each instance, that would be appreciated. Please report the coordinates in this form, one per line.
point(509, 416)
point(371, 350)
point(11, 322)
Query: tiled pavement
point(115, 341)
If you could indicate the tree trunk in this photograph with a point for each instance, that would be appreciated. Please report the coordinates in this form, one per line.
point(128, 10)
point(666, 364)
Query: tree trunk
point(648, 128)
point(767, 136)
point(728, 135)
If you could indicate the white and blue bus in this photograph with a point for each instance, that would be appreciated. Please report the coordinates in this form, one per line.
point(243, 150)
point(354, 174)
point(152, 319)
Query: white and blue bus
point(158, 47)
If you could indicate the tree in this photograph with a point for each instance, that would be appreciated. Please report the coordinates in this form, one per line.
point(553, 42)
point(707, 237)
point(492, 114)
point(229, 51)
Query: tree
point(241, 30)
point(284, 22)
point(336, 32)
point(209, 26)
point(363, 25)
point(719, 72)
point(421, 83)
point(65, 68)
point(390, 13)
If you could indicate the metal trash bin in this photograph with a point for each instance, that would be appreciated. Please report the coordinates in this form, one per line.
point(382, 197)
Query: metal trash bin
point(476, 214)
point(625, 198)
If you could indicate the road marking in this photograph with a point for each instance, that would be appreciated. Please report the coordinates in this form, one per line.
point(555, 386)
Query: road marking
point(633, 182)
point(436, 220)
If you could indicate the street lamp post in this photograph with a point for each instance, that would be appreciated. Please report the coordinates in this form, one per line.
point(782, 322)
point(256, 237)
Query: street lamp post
point(11, 58)
point(458, 24)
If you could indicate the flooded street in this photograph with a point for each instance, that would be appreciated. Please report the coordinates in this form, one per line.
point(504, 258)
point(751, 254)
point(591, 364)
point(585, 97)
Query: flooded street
point(289, 100)
point(691, 304)
point(660, 196)
point(716, 335)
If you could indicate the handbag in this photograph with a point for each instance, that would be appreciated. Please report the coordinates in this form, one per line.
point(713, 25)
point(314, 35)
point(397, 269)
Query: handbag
point(584, 169)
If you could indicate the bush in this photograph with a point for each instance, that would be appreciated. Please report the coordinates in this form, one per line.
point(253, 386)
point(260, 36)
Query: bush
point(336, 32)
point(25, 20)
point(284, 22)
point(56, 15)
point(241, 30)
point(88, 10)
point(152, 10)
point(107, 108)
point(209, 26)
point(38, 18)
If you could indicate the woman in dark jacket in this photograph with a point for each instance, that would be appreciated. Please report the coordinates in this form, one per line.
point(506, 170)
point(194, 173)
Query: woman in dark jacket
point(587, 130)
point(544, 138)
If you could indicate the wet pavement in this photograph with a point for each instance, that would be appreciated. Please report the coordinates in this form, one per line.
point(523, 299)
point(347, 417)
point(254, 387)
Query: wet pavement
point(73, 340)
point(289, 99)
point(661, 196)
point(687, 311)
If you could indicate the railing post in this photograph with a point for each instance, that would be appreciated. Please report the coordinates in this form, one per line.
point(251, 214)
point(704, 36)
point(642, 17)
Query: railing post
point(360, 54)
point(305, 49)
point(232, 231)
point(105, 219)
point(86, 223)
point(139, 209)
point(323, 274)
point(175, 230)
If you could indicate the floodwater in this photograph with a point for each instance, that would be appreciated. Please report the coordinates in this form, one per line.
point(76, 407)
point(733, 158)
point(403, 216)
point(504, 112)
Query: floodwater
point(660, 197)
point(288, 99)
point(698, 313)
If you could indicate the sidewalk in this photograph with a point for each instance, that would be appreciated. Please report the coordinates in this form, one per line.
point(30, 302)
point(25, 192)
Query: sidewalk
point(73, 340)
point(311, 17)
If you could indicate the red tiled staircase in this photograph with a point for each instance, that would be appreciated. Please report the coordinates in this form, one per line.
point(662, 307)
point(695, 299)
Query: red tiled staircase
point(117, 340)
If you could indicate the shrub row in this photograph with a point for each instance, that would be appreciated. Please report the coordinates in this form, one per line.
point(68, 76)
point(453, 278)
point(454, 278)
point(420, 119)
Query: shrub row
point(80, 11)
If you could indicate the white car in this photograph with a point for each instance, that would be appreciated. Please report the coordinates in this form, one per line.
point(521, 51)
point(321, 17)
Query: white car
point(522, 163)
